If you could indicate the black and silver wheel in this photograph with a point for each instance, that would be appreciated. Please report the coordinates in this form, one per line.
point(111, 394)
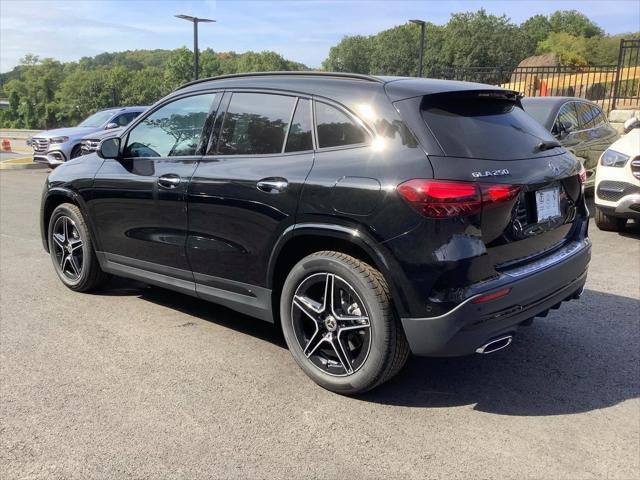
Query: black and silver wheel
point(339, 325)
point(76, 151)
point(71, 250)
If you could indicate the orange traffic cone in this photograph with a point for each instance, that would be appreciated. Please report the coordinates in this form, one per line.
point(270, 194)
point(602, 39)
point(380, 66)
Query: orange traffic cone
point(6, 145)
point(543, 88)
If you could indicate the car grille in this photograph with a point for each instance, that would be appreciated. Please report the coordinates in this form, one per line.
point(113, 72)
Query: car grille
point(90, 145)
point(40, 145)
point(613, 191)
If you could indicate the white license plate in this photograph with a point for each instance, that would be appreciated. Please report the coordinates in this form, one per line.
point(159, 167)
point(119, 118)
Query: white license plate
point(548, 203)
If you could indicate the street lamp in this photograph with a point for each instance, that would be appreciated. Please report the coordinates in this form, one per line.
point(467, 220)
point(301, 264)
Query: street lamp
point(422, 23)
point(195, 21)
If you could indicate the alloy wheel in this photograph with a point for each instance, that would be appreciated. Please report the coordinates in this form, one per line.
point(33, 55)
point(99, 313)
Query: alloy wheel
point(331, 324)
point(67, 247)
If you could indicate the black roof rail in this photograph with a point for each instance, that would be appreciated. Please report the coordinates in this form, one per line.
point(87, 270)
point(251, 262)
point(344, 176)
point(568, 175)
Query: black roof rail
point(356, 76)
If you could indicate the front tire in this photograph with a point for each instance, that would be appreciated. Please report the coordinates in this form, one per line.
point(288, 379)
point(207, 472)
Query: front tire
point(339, 323)
point(609, 223)
point(71, 250)
point(76, 152)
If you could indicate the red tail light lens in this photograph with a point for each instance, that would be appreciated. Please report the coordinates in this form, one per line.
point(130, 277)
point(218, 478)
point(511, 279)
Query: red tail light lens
point(491, 296)
point(582, 175)
point(447, 199)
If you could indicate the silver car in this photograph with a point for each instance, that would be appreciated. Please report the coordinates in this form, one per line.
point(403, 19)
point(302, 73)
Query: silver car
point(55, 147)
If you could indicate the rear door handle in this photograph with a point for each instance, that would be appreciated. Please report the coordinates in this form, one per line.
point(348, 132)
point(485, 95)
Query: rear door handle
point(273, 184)
point(170, 180)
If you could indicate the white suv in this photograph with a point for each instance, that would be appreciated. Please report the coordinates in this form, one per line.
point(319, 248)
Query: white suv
point(618, 181)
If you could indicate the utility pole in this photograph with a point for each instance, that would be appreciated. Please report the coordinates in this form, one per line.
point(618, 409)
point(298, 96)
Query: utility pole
point(422, 24)
point(195, 21)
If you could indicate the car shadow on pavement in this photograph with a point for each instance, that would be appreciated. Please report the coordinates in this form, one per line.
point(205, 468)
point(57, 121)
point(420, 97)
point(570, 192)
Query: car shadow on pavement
point(580, 358)
point(586, 361)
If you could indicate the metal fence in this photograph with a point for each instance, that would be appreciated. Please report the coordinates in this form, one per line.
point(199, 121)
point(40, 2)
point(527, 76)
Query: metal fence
point(610, 86)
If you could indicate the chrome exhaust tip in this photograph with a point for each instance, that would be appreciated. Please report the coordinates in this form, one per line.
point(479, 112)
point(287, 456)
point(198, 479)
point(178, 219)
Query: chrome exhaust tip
point(495, 344)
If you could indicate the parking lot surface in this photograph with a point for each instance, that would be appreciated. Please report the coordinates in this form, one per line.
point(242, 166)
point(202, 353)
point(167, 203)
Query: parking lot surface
point(139, 382)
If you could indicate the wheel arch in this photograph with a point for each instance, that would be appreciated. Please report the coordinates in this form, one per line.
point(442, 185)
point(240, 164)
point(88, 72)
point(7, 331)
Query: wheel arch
point(57, 196)
point(304, 240)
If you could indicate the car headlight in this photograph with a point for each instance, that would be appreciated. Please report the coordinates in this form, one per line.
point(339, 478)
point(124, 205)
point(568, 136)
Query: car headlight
point(611, 158)
point(59, 139)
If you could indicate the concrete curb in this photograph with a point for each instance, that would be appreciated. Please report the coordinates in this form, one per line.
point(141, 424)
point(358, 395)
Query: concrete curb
point(22, 166)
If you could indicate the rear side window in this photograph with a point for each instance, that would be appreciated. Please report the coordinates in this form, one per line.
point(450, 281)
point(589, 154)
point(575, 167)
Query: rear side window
point(255, 124)
point(336, 128)
point(590, 116)
point(299, 138)
point(477, 125)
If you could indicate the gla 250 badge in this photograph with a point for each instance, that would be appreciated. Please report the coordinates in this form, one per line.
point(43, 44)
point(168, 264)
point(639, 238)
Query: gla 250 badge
point(490, 173)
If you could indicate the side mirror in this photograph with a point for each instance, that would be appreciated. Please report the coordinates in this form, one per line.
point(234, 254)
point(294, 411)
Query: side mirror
point(631, 123)
point(111, 125)
point(109, 148)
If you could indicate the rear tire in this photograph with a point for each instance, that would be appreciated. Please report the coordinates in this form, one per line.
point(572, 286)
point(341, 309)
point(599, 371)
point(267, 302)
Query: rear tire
point(71, 250)
point(349, 341)
point(609, 223)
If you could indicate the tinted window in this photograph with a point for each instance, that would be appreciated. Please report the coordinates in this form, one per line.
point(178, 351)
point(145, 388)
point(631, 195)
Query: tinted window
point(481, 126)
point(171, 131)
point(587, 114)
point(255, 123)
point(299, 138)
point(125, 119)
point(336, 128)
point(567, 115)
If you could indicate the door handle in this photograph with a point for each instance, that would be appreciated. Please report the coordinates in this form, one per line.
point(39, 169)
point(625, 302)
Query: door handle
point(273, 184)
point(170, 180)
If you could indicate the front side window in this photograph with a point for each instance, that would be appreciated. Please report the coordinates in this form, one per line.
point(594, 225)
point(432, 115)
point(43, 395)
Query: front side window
point(299, 138)
point(567, 119)
point(171, 131)
point(336, 128)
point(255, 124)
point(125, 119)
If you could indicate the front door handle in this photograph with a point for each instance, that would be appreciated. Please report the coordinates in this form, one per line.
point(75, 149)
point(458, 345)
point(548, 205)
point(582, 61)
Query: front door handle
point(170, 180)
point(273, 184)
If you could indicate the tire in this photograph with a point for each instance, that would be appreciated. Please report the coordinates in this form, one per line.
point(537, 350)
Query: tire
point(609, 223)
point(71, 250)
point(76, 152)
point(360, 319)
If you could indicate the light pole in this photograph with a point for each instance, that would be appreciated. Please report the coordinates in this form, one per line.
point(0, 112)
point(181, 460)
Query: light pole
point(422, 23)
point(195, 21)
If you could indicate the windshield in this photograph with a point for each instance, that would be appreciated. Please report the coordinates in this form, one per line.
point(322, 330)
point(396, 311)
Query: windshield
point(97, 119)
point(475, 126)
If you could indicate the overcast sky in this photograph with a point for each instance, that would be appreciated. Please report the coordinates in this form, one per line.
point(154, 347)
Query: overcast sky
point(299, 30)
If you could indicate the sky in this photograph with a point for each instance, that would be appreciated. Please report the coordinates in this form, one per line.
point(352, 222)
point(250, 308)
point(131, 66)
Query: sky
point(302, 30)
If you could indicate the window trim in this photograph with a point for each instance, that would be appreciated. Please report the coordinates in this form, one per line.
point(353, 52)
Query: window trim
point(350, 115)
point(124, 138)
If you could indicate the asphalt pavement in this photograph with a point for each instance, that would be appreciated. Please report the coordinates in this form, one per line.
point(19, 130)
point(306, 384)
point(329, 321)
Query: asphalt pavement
point(139, 382)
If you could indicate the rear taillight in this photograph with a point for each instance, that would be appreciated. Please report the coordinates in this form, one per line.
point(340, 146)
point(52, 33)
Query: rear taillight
point(583, 175)
point(447, 199)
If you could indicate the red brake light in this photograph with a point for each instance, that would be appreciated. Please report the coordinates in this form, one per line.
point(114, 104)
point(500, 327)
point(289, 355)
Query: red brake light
point(447, 199)
point(582, 175)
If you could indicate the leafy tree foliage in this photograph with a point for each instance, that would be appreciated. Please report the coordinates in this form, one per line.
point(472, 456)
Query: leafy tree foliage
point(47, 94)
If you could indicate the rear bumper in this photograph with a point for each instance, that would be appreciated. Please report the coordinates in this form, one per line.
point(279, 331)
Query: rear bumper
point(534, 289)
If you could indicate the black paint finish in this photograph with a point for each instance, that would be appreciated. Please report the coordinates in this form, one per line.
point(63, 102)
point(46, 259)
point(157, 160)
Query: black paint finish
point(221, 230)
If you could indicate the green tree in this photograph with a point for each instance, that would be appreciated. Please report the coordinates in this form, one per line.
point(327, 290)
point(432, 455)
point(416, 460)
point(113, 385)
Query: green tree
point(395, 51)
point(535, 30)
point(351, 54)
point(569, 49)
point(574, 23)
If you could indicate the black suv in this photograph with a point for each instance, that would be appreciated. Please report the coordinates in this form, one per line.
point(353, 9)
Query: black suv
point(368, 216)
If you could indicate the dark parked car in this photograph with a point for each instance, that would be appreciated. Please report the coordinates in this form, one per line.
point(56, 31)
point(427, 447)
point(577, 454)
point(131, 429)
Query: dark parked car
point(368, 216)
point(579, 125)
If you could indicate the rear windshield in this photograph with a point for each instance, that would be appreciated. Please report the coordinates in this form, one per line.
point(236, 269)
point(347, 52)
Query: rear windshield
point(483, 126)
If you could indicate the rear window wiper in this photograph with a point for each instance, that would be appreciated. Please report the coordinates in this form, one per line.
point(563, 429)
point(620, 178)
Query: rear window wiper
point(547, 145)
